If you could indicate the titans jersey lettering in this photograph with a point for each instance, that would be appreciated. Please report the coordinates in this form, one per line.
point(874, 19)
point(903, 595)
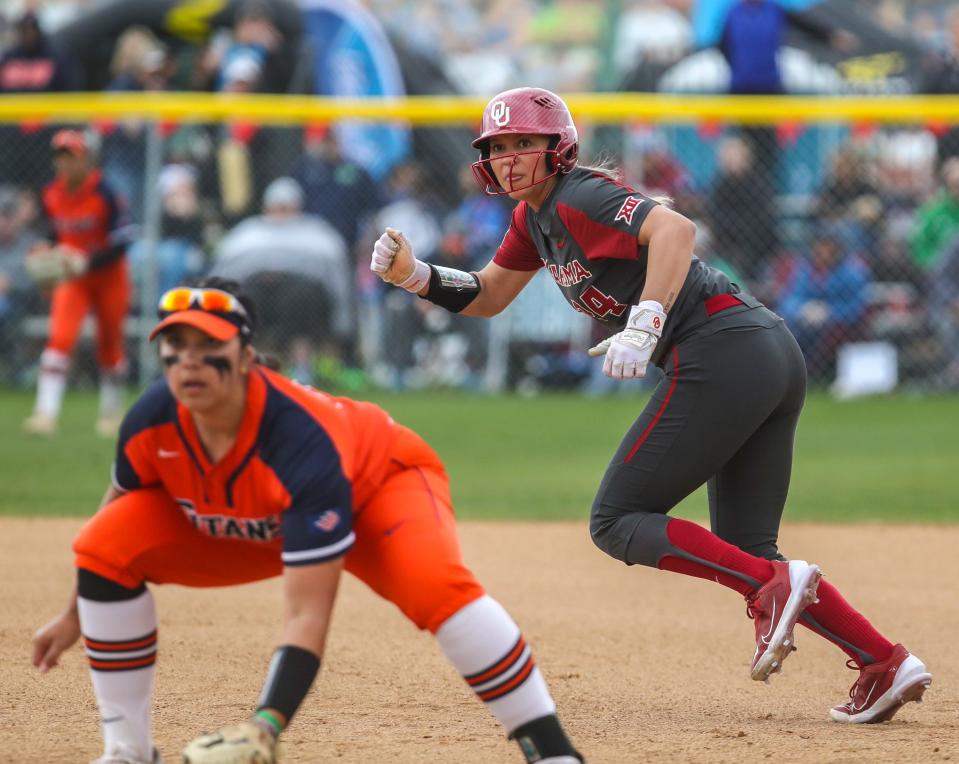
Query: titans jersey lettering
point(303, 463)
point(223, 526)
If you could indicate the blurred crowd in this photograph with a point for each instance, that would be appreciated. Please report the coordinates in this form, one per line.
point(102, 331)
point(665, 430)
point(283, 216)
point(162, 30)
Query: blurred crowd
point(851, 233)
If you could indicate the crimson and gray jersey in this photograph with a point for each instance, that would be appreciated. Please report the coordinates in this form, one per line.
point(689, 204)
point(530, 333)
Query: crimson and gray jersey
point(585, 235)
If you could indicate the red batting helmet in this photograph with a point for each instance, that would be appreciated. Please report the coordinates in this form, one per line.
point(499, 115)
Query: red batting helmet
point(527, 111)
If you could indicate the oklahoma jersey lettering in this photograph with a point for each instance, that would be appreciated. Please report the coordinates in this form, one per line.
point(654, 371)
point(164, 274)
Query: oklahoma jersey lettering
point(303, 463)
point(585, 236)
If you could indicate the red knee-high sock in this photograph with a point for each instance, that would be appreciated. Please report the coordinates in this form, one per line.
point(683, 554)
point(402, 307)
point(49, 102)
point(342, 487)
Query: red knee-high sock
point(698, 552)
point(836, 620)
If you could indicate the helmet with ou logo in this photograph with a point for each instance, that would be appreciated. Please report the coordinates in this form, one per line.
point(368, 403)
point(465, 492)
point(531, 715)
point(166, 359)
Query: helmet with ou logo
point(527, 111)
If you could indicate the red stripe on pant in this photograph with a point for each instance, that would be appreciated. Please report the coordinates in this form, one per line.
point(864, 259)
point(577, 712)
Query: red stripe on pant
point(669, 394)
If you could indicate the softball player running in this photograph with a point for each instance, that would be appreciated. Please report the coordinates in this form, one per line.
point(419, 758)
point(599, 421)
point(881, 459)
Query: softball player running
point(725, 413)
point(227, 473)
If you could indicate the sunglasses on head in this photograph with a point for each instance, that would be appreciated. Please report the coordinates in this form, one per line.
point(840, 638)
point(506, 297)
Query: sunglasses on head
point(210, 300)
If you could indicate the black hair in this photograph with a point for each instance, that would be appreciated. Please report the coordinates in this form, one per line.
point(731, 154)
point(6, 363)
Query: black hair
point(236, 289)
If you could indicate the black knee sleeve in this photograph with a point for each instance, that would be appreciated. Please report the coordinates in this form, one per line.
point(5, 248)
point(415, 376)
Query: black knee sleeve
point(93, 586)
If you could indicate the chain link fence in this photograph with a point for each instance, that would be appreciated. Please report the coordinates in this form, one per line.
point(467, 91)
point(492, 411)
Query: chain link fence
point(849, 231)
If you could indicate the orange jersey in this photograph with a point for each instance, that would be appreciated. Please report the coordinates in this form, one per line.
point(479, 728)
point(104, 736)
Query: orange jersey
point(87, 218)
point(303, 463)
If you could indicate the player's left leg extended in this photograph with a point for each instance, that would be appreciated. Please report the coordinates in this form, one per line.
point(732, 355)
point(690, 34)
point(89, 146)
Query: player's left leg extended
point(111, 303)
point(746, 501)
point(718, 391)
point(144, 536)
point(408, 552)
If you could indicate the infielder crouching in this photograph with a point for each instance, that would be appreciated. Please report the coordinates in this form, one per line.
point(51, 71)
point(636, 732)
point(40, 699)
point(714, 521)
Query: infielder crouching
point(227, 473)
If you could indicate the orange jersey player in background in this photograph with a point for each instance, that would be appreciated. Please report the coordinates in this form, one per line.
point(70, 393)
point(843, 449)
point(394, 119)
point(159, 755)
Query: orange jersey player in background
point(226, 473)
point(84, 262)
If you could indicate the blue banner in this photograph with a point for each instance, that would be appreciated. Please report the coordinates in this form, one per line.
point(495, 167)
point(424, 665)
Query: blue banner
point(353, 57)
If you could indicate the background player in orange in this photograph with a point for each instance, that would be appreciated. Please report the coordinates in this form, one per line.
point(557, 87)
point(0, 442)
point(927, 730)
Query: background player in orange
point(724, 414)
point(84, 260)
point(227, 472)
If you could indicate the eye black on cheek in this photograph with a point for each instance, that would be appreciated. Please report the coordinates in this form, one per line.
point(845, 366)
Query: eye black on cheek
point(221, 364)
point(169, 360)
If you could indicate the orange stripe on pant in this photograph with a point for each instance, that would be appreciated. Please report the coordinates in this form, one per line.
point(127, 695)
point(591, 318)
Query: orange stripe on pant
point(406, 549)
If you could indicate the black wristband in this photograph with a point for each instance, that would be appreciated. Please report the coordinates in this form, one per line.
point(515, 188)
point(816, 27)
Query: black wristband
point(292, 671)
point(451, 289)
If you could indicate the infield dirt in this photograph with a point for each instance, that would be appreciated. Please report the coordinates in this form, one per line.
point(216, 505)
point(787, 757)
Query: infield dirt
point(646, 666)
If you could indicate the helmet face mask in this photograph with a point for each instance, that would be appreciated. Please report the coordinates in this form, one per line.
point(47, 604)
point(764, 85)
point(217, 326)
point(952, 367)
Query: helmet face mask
point(527, 111)
point(486, 177)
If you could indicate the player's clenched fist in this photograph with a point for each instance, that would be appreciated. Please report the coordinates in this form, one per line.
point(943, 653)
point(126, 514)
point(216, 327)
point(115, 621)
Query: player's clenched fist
point(393, 261)
point(243, 743)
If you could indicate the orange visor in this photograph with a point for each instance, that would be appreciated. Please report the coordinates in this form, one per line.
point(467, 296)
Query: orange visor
point(218, 328)
point(213, 311)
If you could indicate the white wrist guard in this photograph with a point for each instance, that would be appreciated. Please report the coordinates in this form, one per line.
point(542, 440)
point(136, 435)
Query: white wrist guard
point(418, 279)
point(648, 316)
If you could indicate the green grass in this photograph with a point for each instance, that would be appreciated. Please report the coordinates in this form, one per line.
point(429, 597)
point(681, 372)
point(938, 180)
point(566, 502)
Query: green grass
point(880, 459)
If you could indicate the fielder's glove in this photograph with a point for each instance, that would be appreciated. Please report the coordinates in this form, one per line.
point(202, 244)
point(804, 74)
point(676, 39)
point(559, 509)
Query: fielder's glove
point(50, 265)
point(628, 352)
point(394, 263)
point(244, 743)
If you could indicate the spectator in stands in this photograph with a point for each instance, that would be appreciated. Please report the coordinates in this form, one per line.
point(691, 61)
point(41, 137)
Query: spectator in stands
point(825, 300)
point(740, 211)
point(483, 56)
point(943, 305)
point(255, 37)
point(563, 47)
point(297, 269)
point(179, 253)
point(411, 207)
point(140, 63)
point(654, 170)
point(849, 195)
point(16, 288)
point(941, 77)
point(31, 65)
point(937, 221)
point(456, 355)
point(480, 220)
point(87, 238)
point(334, 187)
point(243, 164)
point(650, 34)
point(753, 33)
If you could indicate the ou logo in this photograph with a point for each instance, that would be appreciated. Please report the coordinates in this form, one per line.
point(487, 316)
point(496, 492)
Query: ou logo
point(499, 113)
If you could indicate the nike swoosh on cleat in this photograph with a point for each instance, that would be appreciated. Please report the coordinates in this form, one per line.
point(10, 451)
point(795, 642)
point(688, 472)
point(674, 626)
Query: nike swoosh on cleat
point(772, 624)
point(112, 719)
point(869, 695)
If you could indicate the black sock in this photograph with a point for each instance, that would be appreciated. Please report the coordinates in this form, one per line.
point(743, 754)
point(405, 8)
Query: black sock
point(543, 738)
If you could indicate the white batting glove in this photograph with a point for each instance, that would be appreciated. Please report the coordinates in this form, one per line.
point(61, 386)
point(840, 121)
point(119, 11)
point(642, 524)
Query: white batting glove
point(628, 352)
point(394, 263)
point(243, 743)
